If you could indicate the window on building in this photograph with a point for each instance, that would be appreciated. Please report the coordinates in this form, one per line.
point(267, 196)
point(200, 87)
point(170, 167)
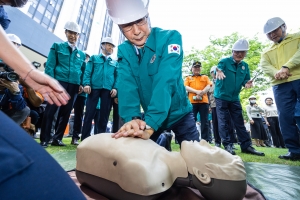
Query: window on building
point(43, 12)
point(85, 20)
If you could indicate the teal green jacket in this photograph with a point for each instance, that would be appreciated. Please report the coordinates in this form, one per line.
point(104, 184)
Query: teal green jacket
point(155, 83)
point(230, 87)
point(99, 73)
point(64, 65)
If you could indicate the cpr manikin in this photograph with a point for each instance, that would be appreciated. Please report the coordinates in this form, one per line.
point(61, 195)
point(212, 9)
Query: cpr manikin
point(132, 168)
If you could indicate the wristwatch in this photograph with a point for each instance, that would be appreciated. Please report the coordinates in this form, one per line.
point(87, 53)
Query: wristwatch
point(285, 67)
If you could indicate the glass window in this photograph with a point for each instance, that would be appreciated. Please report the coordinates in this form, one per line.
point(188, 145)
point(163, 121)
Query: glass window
point(47, 14)
point(53, 19)
point(41, 9)
point(44, 25)
point(46, 21)
point(31, 10)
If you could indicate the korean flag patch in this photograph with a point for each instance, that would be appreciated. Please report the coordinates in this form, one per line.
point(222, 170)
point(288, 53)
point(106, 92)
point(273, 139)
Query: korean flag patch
point(174, 48)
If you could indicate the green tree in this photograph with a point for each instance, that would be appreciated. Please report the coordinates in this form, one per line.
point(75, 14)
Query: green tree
point(220, 48)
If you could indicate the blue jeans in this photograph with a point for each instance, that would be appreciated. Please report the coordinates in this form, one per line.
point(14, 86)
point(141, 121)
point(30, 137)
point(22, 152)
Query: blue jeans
point(226, 111)
point(286, 95)
point(184, 129)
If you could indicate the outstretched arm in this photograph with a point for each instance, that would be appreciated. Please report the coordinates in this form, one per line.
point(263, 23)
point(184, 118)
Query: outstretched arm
point(48, 87)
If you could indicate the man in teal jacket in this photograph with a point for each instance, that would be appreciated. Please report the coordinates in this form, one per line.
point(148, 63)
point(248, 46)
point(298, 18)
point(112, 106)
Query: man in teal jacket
point(99, 82)
point(149, 75)
point(64, 64)
point(281, 62)
point(232, 73)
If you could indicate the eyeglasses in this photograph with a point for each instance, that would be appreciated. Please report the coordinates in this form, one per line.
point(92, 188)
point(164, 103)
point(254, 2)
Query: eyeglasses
point(72, 33)
point(128, 27)
point(275, 31)
point(239, 52)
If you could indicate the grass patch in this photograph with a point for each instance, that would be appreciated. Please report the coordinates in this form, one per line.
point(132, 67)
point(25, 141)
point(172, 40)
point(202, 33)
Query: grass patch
point(54, 149)
point(271, 154)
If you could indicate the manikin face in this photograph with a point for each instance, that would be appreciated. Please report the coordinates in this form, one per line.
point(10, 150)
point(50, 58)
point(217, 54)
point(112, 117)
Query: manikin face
point(136, 32)
point(215, 162)
point(72, 36)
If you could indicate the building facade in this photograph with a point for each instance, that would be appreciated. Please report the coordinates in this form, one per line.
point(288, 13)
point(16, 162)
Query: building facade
point(40, 23)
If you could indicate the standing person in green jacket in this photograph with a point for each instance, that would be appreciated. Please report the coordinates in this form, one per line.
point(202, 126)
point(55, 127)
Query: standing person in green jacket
point(231, 74)
point(64, 64)
point(99, 82)
point(281, 62)
point(149, 75)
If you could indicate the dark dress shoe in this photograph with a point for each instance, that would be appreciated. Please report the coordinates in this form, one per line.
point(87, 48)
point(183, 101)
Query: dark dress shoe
point(233, 147)
point(253, 151)
point(218, 145)
point(74, 141)
point(57, 143)
point(44, 144)
point(290, 156)
point(50, 141)
point(229, 149)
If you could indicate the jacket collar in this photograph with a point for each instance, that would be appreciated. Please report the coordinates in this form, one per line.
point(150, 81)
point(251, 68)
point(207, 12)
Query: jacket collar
point(150, 43)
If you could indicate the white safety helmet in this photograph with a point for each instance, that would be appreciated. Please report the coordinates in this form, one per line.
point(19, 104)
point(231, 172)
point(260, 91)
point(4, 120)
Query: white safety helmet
point(213, 69)
point(241, 45)
point(252, 97)
point(126, 11)
point(272, 24)
point(14, 38)
point(72, 26)
point(107, 40)
point(87, 53)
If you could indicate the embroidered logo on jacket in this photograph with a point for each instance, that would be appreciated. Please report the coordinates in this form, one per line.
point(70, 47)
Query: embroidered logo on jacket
point(174, 48)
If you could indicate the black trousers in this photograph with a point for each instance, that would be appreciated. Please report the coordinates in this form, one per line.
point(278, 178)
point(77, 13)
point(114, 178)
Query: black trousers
point(62, 117)
point(116, 117)
point(215, 125)
point(275, 132)
point(78, 115)
point(91, 104)
point(202, 109)
point(228, 111)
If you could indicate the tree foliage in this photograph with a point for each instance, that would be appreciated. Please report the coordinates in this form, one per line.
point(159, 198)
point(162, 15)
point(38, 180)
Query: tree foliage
point(220, 48)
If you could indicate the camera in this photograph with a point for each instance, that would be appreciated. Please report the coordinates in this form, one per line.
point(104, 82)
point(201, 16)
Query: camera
point(10, 76)
point(195, 98)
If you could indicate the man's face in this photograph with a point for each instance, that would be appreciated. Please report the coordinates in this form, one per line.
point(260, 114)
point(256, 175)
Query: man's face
point(269, 101)
point(196, 70)
point(107, 49)
point(213, 74)
point(136, 32)
point(276, 35)
point(238, 56)
point(72, 36)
